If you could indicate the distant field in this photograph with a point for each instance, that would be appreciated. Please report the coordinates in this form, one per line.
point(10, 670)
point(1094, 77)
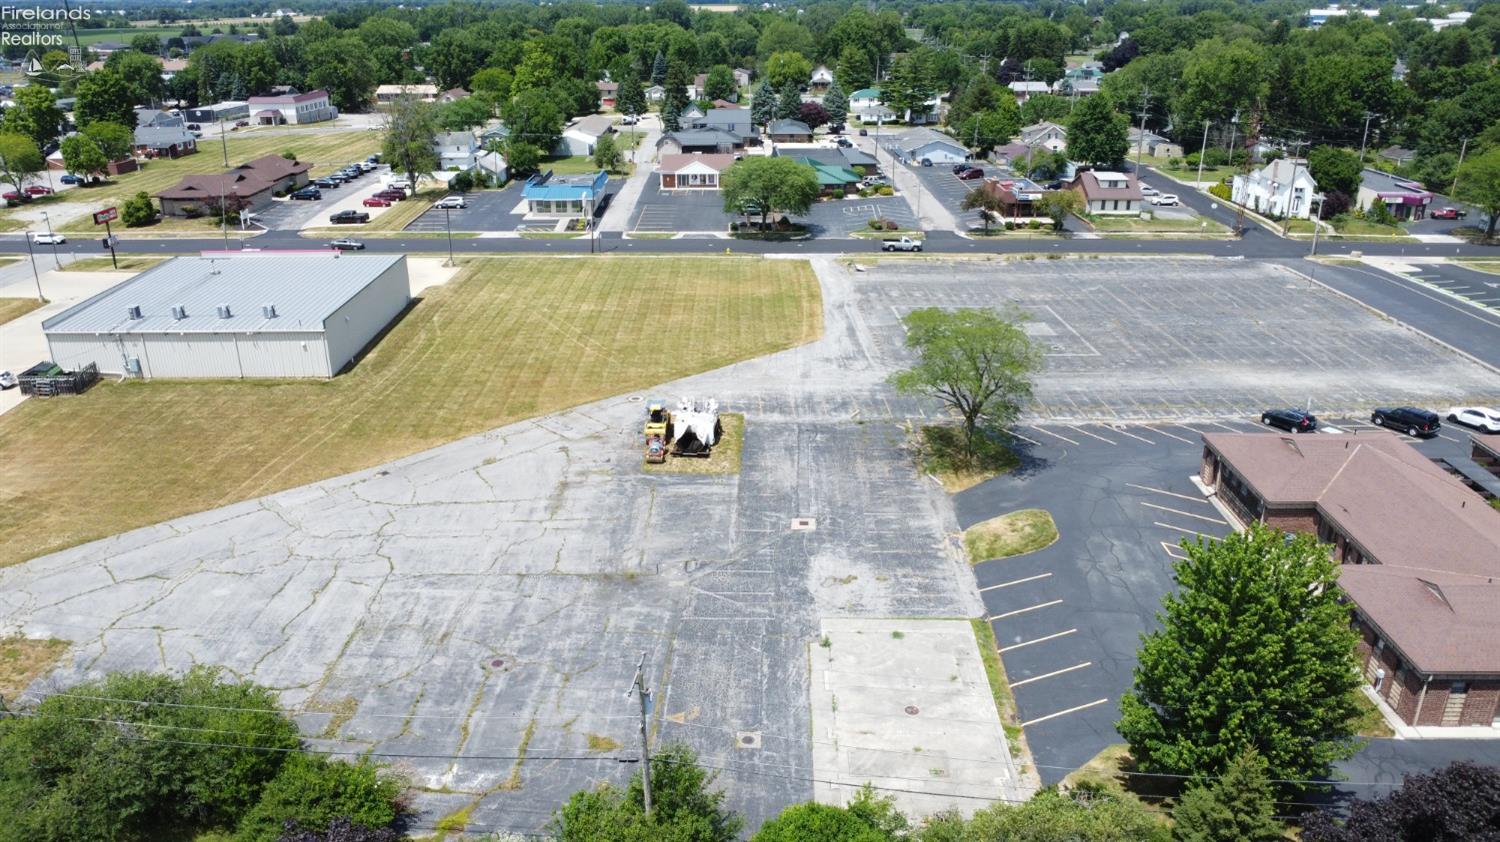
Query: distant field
point(94, 36)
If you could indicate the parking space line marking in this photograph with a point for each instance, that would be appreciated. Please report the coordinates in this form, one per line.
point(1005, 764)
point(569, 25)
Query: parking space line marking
point(1168, 493)
point(1036, 640)
point(1170, 550)
point(1184, 529)
point(1086, 706)
point(1441, 436)
point(1132, 435)
point(994, 617)
point(1184, 514)
point(1023, 438)
point(1016, 582)
point(1171, 435)
point(1226, 427)
point(1055, 435)
point(1091, 435)
point(1026, 681)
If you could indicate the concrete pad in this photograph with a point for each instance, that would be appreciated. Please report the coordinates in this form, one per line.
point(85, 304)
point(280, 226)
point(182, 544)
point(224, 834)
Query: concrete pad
point(906, 705)
point(424, 272)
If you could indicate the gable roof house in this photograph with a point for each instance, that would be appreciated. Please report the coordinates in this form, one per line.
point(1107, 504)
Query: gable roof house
point(609, 93)
point(1045, 135)
point(789, 131)
point(462, 152)
point(1153, 144)
point(742, 77)
point(699, 140)
point(1026, 90)
point(1279, 189)
point(866, 104)
point(655, 93)
point(932, 145)
point(253, 181)
point(695, 90)
point(693, 171)
point(164, 141)
point(820, 80)
point(1109, 193)
point(154, 118)
point(582, 135)
point(732, 120)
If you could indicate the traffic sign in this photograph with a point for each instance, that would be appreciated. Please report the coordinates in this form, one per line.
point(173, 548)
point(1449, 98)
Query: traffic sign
point(106, 215)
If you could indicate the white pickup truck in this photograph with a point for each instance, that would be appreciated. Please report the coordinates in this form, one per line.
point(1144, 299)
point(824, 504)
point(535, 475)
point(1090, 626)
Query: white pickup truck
point(900, 244)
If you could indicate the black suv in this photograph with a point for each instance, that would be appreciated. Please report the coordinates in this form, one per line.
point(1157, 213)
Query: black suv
point(1291, 420)
point(307, 193)
point(1409, 419)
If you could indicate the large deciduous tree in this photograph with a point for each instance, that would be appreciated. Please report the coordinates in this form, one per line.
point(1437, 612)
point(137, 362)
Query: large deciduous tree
point(854, 68)
point(411, 128)
point(1334, 169)
point(456, 54)
point(720, 83)
point(984, 130)
point(788, 68)
point(1254, 650)
point(343, 67)
point(534, 118)
point(1479, 184)
point(104, 96)
point(986, 202)
point(1097, 133)
point(979, 363)
point(1084, 813)
point(82, 156)
point(684, 806)
point(1238, 806)
point(20, 160)
point(769, 185)
point(35, 115)
point(1459, 801)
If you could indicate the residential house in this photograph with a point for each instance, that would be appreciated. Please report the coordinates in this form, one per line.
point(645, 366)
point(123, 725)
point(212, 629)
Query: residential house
point(789, 131)
point(693, 171)
point(106, 48)
point(387, 94)
point(1045, 135)
point(690, 114)
point(164, 141)
point(838, 156)
point(254, 182)
point(742, 77)
point(726, 104)
point(582, 135)
point(732, 120)
point(609, 93)
point(1076, 86)
point(1109, 193)
point(697, 89)
point(918, 144)
point(292, 109)
point(1279, 189)
point(456, 150)
point(453, 95)
point(699, 140)
point(1419, 552)
point(563, 197)
point(820, 81)
point(833, 180)
point(656, 93)
point(1404, 198)
point(865, 104)
point(1153, 144)
point(170, 67)
point(155, 119)
point(1026, 90)
point(1397, 155)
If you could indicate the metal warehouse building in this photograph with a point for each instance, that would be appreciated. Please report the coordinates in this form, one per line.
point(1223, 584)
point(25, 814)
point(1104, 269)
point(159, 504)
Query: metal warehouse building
point(253, 315)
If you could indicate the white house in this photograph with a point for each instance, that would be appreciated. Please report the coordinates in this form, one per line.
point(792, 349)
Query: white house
point(462, 151)
point(934, 146)
point(582, 135)
point(1280, 189)
point(655, 93)
point(820, 80)
point(1026, 90)
point(390, 93)
point(866, 105)
point(1045, 135)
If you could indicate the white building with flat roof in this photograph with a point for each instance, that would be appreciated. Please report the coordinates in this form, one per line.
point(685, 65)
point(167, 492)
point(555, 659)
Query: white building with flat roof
point(236, 316)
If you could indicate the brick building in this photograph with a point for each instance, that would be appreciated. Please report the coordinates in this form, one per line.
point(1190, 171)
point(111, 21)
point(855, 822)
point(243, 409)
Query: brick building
point(1420, 552)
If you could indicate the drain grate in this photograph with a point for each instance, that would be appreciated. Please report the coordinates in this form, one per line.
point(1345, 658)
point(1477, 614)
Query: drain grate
point(747, 739)
point(804, 524)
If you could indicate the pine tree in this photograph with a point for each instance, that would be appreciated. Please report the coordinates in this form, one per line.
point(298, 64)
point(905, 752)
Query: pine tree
point(630, 99)
point(763, 106)
point(658, 69)
point(789, 102)
point(1238, 807)
point(836, 103)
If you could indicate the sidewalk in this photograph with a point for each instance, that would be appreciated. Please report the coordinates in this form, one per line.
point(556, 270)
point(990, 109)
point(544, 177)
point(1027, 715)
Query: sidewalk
point(617, 215)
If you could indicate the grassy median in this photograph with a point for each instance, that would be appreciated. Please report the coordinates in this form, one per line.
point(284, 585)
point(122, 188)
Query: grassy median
point(507, 339)
point(1017, 533)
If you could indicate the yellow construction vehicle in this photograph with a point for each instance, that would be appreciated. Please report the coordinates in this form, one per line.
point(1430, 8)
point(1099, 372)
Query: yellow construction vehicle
point(658, 431)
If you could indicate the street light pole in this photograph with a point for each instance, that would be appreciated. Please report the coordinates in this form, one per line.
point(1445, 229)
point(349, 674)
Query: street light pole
point(1202, 149)
point(34, 274)
point(448, 223)
point(55, 258)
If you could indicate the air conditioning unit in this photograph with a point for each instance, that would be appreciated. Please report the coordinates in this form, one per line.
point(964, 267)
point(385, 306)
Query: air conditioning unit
point(179, 312)
point(132, 312)
point(223, 310)
point(268, 311)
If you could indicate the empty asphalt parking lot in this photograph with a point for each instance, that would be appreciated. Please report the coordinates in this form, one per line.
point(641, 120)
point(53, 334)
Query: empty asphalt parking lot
point(1167, 339)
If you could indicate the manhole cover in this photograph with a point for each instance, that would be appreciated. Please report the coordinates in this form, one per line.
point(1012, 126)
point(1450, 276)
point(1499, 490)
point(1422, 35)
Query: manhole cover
point(497, 663)
point(747, 739)
point(912, 710)
point(804, 524)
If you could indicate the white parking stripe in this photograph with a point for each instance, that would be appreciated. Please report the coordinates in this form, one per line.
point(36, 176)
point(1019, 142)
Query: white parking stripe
point(1184, 514)
point(1023, 438)
point(1023, 682)
point(1184, 529)
point(1132, 435)
point(1016, 582)
point(1026, 643)
point(1173, 550)
point(1025, 610)
point(1171, 435)
point(1054, 435)
point(1091, 435)
point(1168, 493)
point(1040, 719)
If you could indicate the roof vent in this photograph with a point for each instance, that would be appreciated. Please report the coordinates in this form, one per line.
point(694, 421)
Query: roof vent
point(224, 312)
point(268, 310)
point(132, 312)
point(179, 312)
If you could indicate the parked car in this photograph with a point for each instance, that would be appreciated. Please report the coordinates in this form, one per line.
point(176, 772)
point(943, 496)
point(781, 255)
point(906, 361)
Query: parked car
point(845, 143)
point(346, 244)
point(12, 196)
point(900, 244)
point(926, 162)
point(325, 183)
point(308, 193)
point(1475, 417)
point(1291, 420)
point(348, 216)
point(45, 239)
point(193, 127)
point(1055, 185)
point(873, 181)
point(240, 124)
point(1148, 190)
point(366, 166)
point(374, 159)
point(864, 132)
point(377, 202)
point(451, 203)
point(1409, 419)
point(69, 178)
point(38, 190)
point(7, 380)
point(1449, 213)
point(399, 184)
point(1165, 200)
point(970, 175)
point(391, 195)
point(958, 168)
point(630, 120)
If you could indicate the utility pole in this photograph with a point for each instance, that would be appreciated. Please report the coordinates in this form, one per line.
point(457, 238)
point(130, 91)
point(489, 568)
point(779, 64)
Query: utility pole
point(1316, 226)
point(1250, 140)
point(55, 259)
point(638, 686)
point(1369, 115)
point(1291, 189)
point(31, 252)
point(1233, 122)
point(1202, 149)
point(223, 139)
point(1140, 140)
point(1461, 150)
point(448, 224)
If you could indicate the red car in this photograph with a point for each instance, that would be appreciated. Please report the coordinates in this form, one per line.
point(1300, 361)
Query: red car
point(38, 190)
point(377, 202)
point(391, 195)
point(968, 175)
point(1449, 213)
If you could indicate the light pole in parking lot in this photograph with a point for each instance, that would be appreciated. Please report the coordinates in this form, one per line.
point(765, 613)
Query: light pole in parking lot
point(48, 220)
point(448, 223)
point(31, 252)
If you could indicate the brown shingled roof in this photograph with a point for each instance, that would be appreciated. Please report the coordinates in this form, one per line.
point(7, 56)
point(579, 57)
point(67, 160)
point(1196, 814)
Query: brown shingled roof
point(246, 179)
point(1288, 470)
point(1442, 623)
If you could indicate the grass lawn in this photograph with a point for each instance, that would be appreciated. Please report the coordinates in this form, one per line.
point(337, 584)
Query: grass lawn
point(326, 152)
point(1016, 533)
point(1136, 225)
point(724, 459)
point(1005, 704)
point(15, 308)
point(132, 263)
point(506, 339)
point(574, 165)
point(1362, 227)
point(1478, 264)
point(23, 661)
point(942, 455)
point(1185, 172)
point(1368, 722)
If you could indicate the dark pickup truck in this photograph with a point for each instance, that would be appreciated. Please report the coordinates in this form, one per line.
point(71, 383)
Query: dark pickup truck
point(348, 216)
point(1408, 419)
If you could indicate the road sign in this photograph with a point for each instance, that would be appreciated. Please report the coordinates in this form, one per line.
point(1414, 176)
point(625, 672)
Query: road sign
point(106, 215)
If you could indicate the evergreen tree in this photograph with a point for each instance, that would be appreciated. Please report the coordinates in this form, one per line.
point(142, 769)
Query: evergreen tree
point(763, 106)
point(1238, 807)
point(836, 103)
point(788, 102)
point(659, 69)
point(631, 98)
point(854, 69)
point(675, 100)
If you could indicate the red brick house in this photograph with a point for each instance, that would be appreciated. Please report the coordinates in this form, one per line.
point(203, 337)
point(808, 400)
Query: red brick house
point(1420, 556)
point(693, 171)
point(254, 182)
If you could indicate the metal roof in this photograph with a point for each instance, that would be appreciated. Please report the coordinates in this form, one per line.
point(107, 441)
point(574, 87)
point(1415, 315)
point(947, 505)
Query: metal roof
point(304, 288)
point(547, 187)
